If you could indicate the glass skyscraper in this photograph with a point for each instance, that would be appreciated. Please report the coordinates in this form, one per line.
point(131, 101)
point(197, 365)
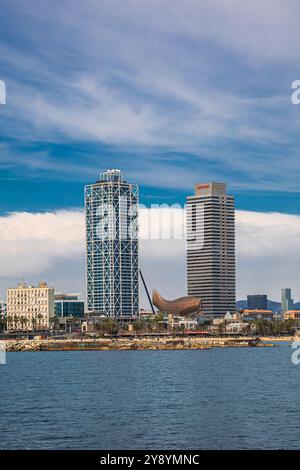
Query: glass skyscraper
point(112, 262)
point(287, 303)
point(257, 302)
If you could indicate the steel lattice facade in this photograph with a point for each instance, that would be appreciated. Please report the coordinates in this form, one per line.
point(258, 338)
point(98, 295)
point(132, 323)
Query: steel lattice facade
point(112, 261)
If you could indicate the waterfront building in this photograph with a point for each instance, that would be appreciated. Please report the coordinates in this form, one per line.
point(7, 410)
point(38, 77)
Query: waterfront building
point(185, 324)
point(257, 302)
point(292, 315)
point(30, 307)
point(88, 327)
point(236, 327)
point(287, 303)
point(68, 305)
point(210, 224)
point(258, 314)
point(112, 262)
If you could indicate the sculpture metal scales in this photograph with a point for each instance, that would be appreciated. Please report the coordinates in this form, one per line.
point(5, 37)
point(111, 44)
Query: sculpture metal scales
point(184, 306)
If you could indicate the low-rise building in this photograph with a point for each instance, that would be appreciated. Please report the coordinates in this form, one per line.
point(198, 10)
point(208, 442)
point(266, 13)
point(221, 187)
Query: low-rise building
point(292, 315)
point(188, 324)
point(249, 315)
point(68, 305)
point(68, 324)
point(230, 323)
point(88, 327)
point(30, 307)
point(217, 321)
point(237, 316)
point(177, 322)
point(236, 327)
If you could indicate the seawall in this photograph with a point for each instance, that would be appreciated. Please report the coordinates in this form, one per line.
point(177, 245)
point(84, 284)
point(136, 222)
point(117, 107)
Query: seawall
point(119, 344)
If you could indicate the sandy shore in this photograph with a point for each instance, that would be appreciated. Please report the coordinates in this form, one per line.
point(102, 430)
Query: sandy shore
point(106, 344)
point(280, 339)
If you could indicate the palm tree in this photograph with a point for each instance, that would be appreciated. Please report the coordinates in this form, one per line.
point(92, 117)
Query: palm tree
point(16, 320)
point(33, 322)
point(40, 316)
point(2, 323)
point(9, 321)
point(107, 326)
point(71, 321)
point(23, 321)
point(139, 326)
point(54, 322)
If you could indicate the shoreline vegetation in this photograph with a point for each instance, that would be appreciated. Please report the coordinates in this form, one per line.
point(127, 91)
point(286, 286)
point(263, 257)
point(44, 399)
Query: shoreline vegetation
point(125, 344)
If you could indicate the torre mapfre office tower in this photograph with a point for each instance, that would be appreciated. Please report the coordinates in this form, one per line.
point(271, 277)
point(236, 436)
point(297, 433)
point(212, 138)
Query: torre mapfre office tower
point(112, 264)
point(211, 248)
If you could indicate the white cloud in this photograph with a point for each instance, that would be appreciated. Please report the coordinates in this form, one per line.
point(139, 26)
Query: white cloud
point(268, 253)
point(193, 78)
point(31, 243)
point(267, 235)
point(50, 246)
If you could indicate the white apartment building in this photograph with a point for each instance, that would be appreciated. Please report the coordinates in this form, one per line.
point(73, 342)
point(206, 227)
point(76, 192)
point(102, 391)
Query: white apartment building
point(30, 307)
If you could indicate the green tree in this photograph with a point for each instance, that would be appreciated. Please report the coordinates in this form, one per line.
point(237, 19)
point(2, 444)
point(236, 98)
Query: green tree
point(34, 323)
point(2, 323)
point(108, 326)
point(140, 326)
point(9, 321)
point(39, 317)
point(71, 322)
point(159, 317)
point(23, 321)
point(54, 322)
point(16, 321)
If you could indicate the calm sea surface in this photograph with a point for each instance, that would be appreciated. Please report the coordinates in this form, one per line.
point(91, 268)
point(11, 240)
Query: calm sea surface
point(211, 399)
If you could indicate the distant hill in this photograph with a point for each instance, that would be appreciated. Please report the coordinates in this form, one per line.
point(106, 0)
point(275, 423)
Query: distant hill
point(272, 305)
point(241, 304)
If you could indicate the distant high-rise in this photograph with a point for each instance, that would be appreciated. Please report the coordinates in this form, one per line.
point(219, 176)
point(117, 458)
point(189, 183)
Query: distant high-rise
point(211, 248)
point(257, 302)
point(112, 277)
point(287, 303)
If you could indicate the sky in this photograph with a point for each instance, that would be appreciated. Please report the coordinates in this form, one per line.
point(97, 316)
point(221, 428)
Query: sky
point(173, 93)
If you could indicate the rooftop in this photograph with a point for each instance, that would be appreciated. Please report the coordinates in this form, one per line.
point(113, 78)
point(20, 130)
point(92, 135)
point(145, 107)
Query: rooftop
point(113, 175)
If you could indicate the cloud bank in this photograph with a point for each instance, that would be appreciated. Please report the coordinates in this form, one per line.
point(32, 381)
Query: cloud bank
point(50, 246)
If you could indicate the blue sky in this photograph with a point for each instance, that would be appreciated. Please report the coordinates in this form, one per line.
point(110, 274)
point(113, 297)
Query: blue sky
point(171, 92)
